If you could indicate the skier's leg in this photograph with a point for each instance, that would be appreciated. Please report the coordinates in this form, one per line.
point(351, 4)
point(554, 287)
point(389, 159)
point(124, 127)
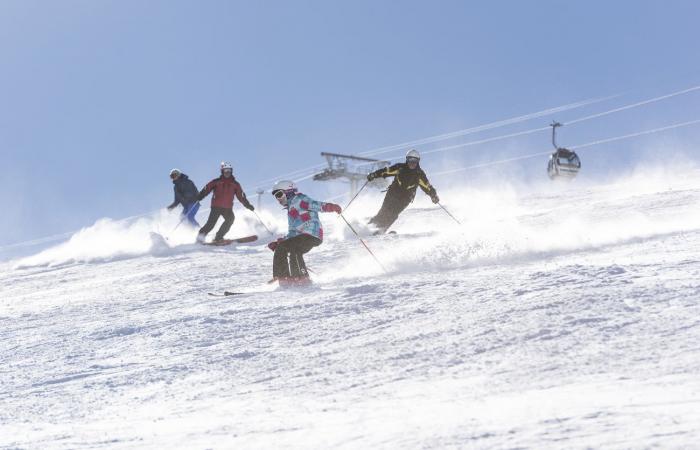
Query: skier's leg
point(191, 211)
point(211, 222)
point(379, 218)
point(228, 221)
point(295, 265)
point(280, 262)
point(394, 203)
point(397, 208)
point(301, 245)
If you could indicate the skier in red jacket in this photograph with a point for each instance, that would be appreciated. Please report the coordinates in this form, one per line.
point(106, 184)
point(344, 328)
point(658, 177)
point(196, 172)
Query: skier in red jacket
point(225, 188)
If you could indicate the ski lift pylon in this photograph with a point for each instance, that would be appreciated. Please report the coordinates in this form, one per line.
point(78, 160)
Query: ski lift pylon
point(563, 163)
point(352, 168)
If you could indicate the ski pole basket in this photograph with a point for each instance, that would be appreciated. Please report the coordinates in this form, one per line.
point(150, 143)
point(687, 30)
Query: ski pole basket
point(563, 163)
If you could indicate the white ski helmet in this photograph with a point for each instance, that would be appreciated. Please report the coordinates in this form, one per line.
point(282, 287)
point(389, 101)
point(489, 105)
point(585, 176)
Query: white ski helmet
point(413, 153)
point(285, 186)
point(226, 166)
point(175, 173)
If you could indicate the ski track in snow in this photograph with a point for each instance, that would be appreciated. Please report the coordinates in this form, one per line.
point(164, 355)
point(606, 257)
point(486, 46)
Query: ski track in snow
point(568, 319)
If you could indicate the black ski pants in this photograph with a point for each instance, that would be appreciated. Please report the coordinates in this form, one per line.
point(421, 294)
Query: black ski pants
point(227, 214)
point(289, 256)
point(395, 201)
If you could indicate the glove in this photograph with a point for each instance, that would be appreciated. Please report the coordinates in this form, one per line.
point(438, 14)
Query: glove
point(371, 176)
point(273, 245)
point(250, 207)
point(435, 198)
point(332, 207)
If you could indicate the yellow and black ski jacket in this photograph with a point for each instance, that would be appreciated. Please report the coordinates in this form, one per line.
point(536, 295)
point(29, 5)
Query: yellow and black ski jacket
point(406, 178)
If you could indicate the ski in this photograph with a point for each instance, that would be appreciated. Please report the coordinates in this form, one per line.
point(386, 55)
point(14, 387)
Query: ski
point(227, 293)
point(242, 240)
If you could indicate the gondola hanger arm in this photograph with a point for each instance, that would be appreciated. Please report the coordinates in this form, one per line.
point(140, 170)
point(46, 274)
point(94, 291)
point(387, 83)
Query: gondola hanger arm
point(554, 126)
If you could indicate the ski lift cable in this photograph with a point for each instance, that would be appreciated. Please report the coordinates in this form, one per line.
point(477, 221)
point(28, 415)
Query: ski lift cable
point(484, 141)
point(640, 133)
point(536, 130)
point(489, 126)
point(491, 163)
point(472, 130)
point(299, 172)
point(304, 178)
point(580, 146)
point(633, 105)
point(38, 241)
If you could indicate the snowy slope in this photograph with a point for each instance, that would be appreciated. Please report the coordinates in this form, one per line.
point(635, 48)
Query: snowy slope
point(557, 317)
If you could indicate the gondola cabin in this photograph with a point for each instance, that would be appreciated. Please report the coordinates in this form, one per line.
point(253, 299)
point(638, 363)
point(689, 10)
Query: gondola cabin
point(563, 163)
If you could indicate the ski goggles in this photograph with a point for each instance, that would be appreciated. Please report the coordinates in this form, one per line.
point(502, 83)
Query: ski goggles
point(279, 194)
point(411, 160)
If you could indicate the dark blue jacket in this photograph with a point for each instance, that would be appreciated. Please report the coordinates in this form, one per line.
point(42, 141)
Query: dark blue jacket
point(185, 191)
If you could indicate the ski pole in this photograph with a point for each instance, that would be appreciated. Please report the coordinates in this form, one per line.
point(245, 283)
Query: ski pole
point(263, 223)
point(353, 199)
point(448, 213)
point(363, 243)
point(184, 216)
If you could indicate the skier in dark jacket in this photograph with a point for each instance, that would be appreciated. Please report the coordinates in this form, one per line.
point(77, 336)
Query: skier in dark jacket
point(408, 177)
point(185, 195)
point(225, 188)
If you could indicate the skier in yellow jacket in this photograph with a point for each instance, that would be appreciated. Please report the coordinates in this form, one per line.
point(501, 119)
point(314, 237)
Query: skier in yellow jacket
point(408, 177)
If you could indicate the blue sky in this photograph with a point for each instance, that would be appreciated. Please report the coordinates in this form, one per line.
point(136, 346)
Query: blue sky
point(100, 99)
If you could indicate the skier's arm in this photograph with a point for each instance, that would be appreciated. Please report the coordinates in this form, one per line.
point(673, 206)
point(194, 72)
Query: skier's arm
point(314, 205)
point(177, 199)
point(206, 190)
point(311, 205)
point(243, 198)
point(427, 187)
point(384, 172)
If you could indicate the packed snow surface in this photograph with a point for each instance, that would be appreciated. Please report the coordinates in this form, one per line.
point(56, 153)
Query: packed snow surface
point(564, 316)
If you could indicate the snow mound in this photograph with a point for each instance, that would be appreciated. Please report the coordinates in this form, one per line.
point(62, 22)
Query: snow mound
point(110, 240)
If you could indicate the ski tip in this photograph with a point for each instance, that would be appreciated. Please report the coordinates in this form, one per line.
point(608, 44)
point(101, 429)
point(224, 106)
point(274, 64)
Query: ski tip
point(246, 239)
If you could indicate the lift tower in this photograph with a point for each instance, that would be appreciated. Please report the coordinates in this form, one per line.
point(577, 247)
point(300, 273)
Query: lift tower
point(351, 168)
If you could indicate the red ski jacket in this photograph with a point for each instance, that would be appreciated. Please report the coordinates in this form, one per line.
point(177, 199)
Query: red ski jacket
point(224, 191)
